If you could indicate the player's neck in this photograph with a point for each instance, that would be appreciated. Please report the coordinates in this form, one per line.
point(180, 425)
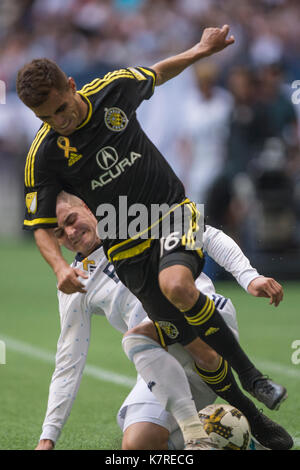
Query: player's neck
point(83, 107)
point(95, 247)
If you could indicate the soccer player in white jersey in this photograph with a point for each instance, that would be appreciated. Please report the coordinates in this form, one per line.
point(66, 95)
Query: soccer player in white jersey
point(145, 427)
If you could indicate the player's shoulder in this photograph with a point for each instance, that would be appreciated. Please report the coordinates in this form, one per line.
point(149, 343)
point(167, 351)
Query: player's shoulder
point(114, 78)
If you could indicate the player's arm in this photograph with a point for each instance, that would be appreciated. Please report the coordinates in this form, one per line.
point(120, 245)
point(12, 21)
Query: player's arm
point(67, 277)
point(41, 189)
point(72, 349)
point(225, 252)
point(213, 40)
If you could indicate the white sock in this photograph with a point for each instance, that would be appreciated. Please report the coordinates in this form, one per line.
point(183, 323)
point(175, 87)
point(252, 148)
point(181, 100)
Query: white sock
point(167, 380)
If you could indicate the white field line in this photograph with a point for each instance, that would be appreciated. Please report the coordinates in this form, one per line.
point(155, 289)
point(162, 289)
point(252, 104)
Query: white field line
point(48, 357)
point(292, 371)
point(296, 441)
point(108, 376)
point(111, 377)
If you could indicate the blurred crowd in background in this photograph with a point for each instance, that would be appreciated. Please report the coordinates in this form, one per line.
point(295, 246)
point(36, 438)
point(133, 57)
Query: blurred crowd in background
point(228, 126)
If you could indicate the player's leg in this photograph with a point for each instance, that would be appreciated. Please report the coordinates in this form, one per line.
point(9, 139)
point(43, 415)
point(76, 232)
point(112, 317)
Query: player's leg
point(216, 373)
point(145, 436)
point(170, 389)
point(177, 284)
point(165, 378)
point(145, 424)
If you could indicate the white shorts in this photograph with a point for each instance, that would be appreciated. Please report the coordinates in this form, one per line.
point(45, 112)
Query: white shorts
point(142, 406)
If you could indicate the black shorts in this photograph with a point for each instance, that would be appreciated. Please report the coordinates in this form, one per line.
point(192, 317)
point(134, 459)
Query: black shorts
point(140, 274)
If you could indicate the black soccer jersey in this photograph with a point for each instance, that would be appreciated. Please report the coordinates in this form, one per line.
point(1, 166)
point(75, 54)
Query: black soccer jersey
point(107, 156)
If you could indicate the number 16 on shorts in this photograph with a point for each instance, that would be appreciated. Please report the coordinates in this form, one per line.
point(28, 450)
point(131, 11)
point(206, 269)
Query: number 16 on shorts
point(169, 243)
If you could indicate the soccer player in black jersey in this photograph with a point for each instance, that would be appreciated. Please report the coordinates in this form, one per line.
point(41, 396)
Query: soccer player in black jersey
point(92, 145)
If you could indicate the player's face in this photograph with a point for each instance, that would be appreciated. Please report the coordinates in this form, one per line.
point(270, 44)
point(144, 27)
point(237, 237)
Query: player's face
point(76, 228)
point(63, 110)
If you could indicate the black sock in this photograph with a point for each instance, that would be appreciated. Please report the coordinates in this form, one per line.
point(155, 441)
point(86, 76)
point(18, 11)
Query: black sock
point(223, 383)
point(214, 331)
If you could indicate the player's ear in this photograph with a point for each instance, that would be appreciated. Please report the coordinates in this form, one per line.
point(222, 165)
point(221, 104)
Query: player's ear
point(72, 84)
point(87, 208)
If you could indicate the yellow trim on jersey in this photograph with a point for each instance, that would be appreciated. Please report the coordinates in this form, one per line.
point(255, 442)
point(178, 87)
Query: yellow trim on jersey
point(138, 75)
point(151, 74)
point(90, 85)
point(160, 334)
point(50, 220)
point(99, 83)
point(89, 112)
point(29, 166)
point(105, 83)
point(188, 239)
point(134, 251)
point(138, 235)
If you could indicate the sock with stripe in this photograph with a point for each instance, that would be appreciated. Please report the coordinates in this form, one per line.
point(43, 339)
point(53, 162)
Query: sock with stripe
point(167, 381)
point(223, 383)
point(214, 331)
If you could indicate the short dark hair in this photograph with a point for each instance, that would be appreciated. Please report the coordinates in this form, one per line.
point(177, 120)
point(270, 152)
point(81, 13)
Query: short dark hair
point(36, 79)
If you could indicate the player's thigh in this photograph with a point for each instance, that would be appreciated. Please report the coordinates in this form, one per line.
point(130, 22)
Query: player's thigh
point(145, 436)
point(145, 328)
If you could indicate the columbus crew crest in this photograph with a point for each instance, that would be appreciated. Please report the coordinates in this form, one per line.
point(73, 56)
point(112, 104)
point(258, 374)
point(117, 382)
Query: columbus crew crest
point(169, 329)
point(115, 119)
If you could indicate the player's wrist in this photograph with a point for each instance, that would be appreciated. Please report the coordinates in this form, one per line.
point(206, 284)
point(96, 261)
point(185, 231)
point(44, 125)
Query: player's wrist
point(45, 444)
point(60, 267)
point(204, 51)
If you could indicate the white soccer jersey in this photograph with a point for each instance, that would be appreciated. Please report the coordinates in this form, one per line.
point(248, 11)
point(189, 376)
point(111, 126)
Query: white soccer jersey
point(106, 295)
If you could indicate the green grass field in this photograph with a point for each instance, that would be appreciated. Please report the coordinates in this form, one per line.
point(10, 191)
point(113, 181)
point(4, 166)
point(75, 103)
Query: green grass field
point(30, 327)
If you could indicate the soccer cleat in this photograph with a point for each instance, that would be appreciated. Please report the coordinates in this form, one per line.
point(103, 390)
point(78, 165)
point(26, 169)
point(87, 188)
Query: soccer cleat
point(203, 443)
point(269, 434)
point(268, 392)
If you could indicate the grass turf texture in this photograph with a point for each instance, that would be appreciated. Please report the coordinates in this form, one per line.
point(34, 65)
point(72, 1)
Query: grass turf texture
point(29, 314)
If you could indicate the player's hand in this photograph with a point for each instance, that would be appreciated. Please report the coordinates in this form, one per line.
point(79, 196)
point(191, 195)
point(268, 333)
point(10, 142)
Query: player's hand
point(45, 444)
point(266, 287)
point(68, 280)
point(215, 39)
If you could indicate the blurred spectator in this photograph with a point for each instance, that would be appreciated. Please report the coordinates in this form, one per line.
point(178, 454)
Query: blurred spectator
point(279, 111)
point(262, 135)
point(235, 113)
point(225, 207)
point(248, 123)
point(205, 126)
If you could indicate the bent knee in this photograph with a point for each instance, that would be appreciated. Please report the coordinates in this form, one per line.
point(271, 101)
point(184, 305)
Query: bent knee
point(146, 328)
point(145, 436)
point(179, 292)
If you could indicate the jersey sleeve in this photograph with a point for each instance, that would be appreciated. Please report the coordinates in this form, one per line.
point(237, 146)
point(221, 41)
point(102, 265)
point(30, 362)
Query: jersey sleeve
point(41, 187)
point(70, 360)
point(142, 87)
point(124, 88)
point(225, 252)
